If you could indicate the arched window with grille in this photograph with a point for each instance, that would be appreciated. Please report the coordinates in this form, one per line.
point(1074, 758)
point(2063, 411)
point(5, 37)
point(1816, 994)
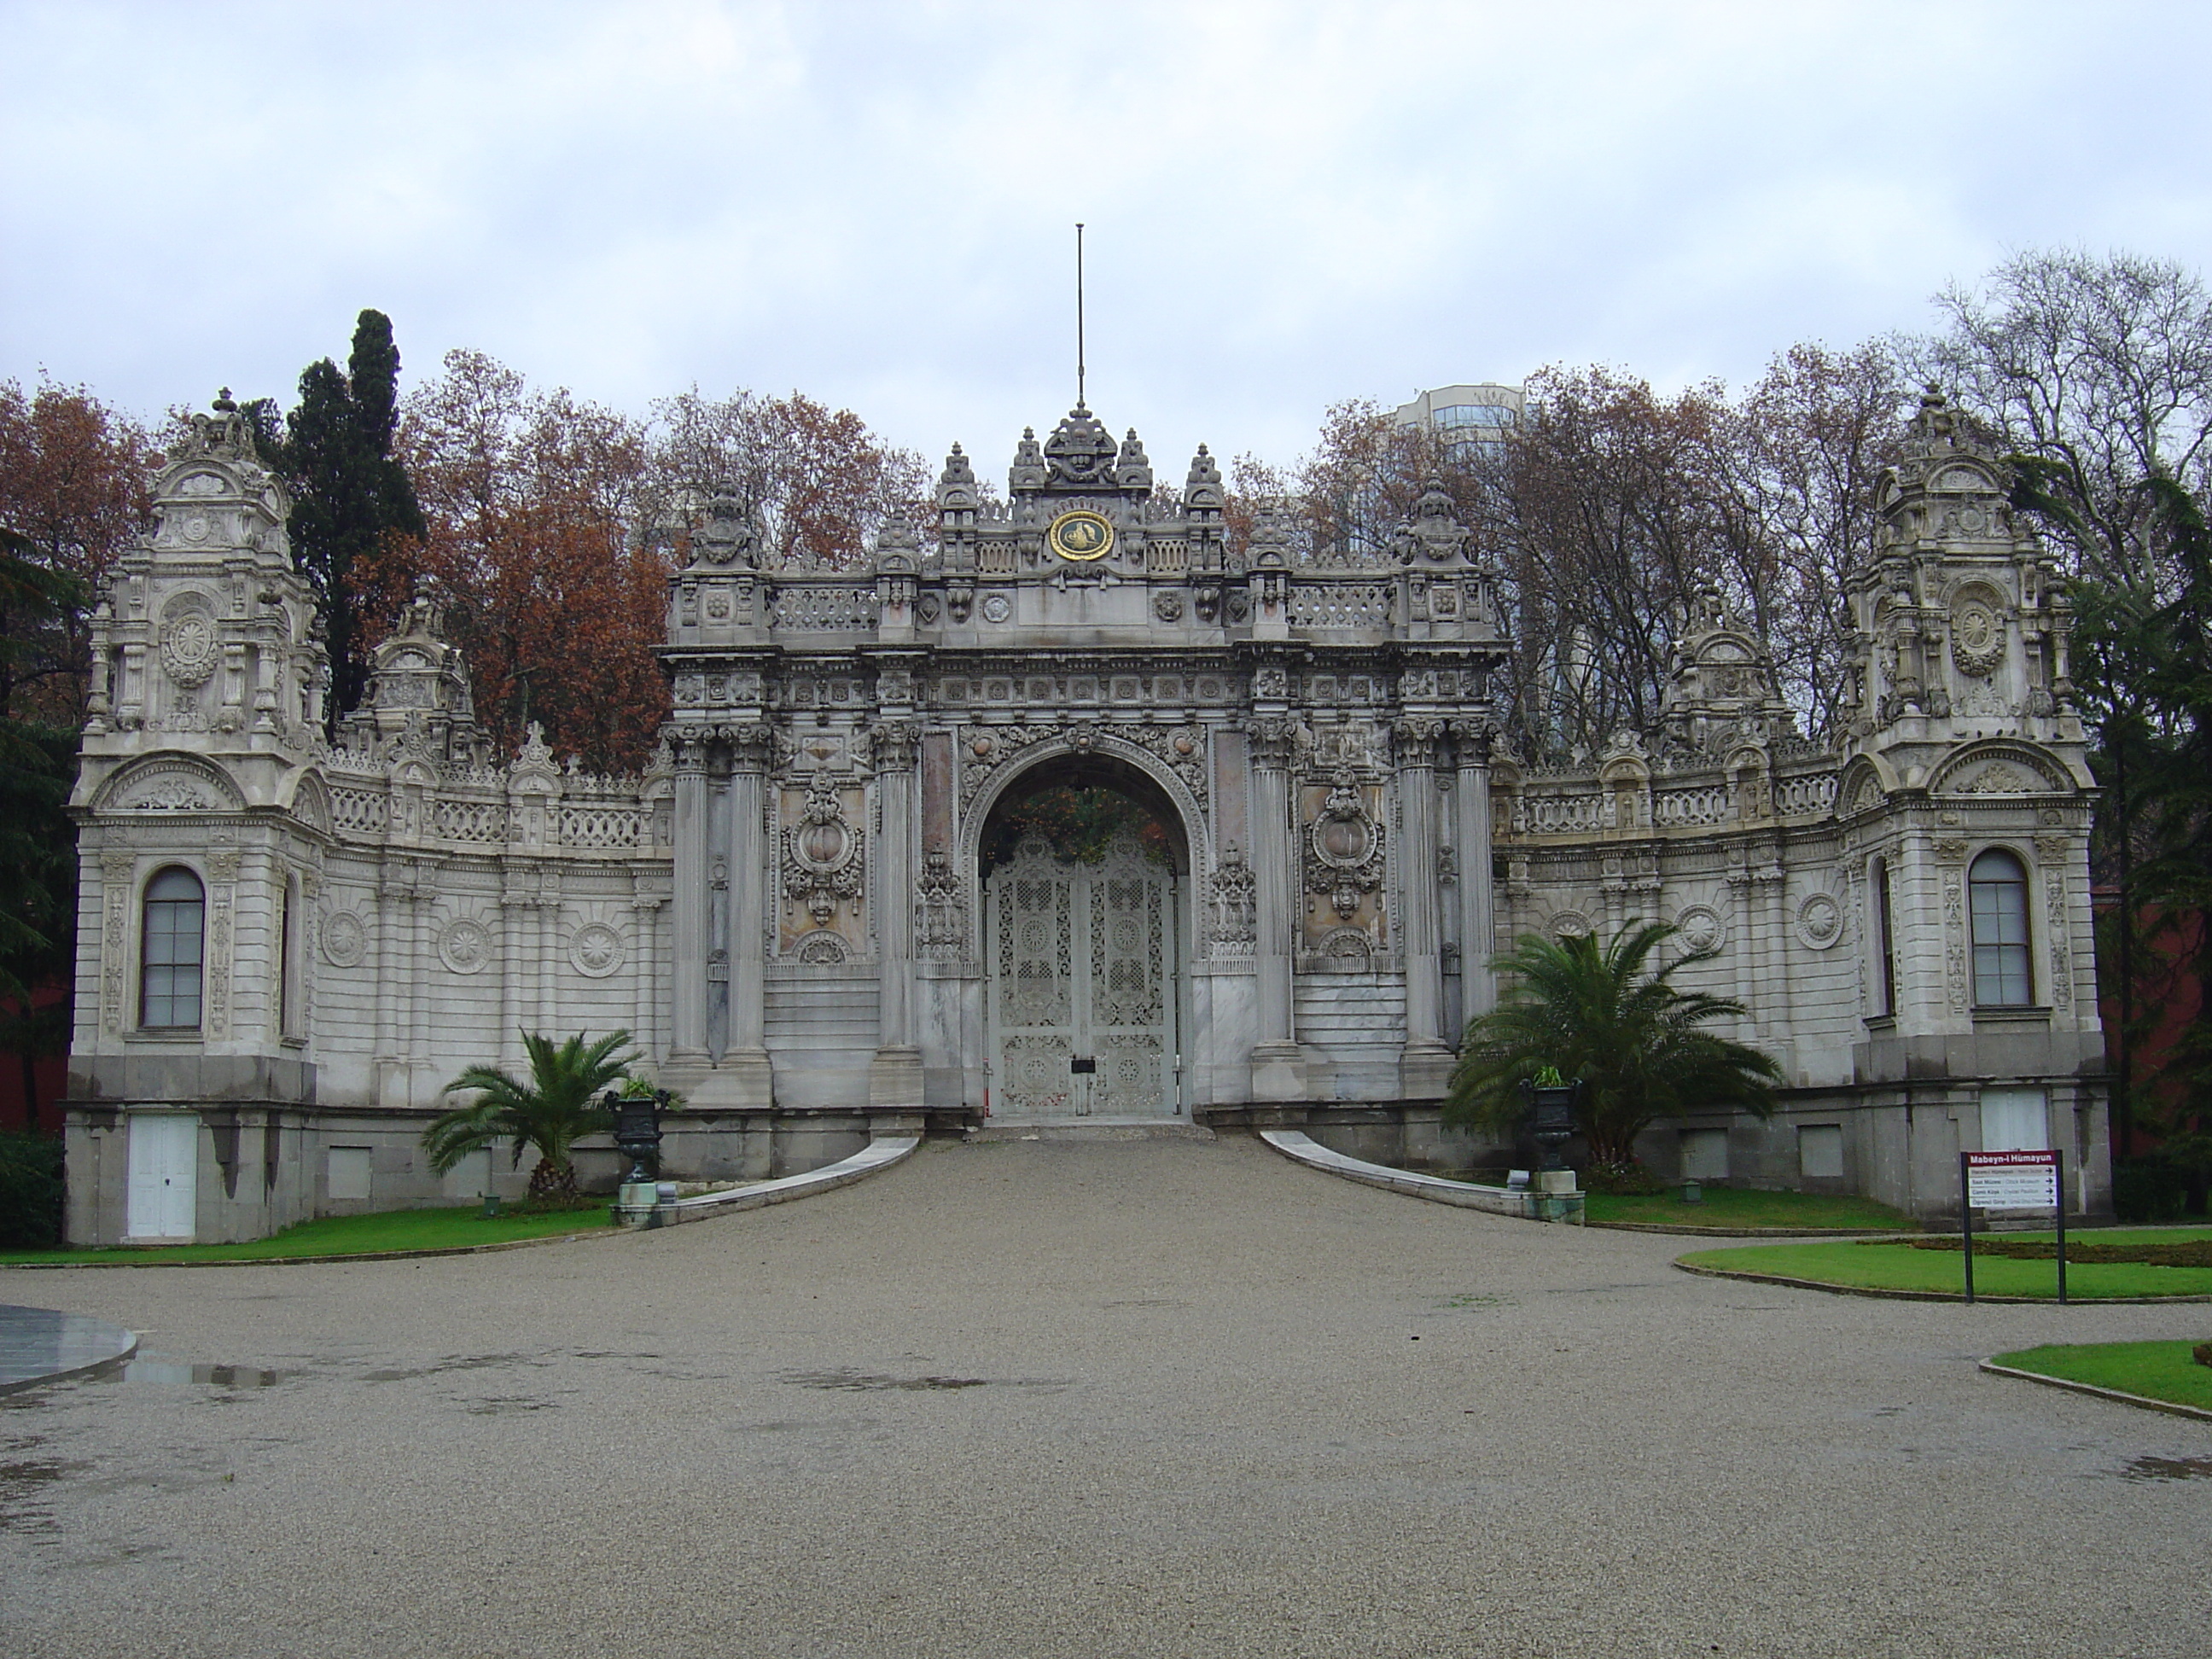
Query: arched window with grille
point(1884, 940)
point(170, 951)
point(1998, 892)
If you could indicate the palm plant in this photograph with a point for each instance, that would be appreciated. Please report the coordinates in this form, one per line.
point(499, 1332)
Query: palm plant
point(1602, 1013)
point(550, 1112)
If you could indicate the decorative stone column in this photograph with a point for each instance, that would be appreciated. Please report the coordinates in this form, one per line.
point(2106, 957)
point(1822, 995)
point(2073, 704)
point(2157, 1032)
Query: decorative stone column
point(1478, 920)
point(1278, 1068)
point(745, 1077)
point(687, 1043)
point(1425, 1065)
point(895, 1075)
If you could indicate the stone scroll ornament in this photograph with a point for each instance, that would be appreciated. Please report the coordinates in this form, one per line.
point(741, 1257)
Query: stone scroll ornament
point(988, 749)
point(941, 929)
point(821, 857)
point(1343, 851)
point(1231, 898)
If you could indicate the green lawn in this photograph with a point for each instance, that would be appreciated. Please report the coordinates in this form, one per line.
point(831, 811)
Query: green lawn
point(1882, 1266)
point(2158, 1370)
point(349, 1235)
point(1736, 1206)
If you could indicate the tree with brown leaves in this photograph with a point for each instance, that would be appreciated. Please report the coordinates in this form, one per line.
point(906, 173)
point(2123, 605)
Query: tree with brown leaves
point(73, 487)
point(529, 499)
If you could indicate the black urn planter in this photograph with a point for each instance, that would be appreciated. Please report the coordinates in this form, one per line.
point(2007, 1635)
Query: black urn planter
point(1552, 1117)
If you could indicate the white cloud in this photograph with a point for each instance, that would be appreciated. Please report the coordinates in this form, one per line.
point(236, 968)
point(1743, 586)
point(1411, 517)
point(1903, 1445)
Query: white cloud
point(1289, 204)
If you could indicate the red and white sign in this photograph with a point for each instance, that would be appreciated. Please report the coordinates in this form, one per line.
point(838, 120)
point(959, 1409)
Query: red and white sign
point(2012, 1180)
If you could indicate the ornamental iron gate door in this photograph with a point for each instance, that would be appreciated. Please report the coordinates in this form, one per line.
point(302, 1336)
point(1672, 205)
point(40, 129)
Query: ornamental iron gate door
point(1083, 985)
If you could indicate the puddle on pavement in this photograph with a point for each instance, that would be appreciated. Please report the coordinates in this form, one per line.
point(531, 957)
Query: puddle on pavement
point(2168, 1468)
point(847, 1380)
point(869, 1382)
point(163, 1372)
point(23, 1484)
point(470, 1362)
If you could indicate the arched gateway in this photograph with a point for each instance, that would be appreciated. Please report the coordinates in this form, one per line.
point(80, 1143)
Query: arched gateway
point(1085, 948)
point(1078, 807)
point(1305, 739)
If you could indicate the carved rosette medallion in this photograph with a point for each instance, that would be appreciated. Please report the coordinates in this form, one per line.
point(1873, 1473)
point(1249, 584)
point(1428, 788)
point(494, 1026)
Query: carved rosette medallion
point(821, 857)
point(189, 649)
point(596, 950)
point(1701, 928)
point(1977, 639)
point(1819, 922)
point(345, 940)
point(465, 946)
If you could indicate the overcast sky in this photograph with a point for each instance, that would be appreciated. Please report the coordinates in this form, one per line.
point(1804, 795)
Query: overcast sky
point(1288, 205)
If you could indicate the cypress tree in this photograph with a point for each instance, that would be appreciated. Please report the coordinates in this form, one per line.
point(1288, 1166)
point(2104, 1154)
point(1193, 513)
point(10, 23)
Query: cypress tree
point(348, 492)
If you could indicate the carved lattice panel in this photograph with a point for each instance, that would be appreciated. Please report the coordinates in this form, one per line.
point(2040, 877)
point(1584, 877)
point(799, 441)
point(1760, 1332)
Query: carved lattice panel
point(1083, 985)
point(1032, 936)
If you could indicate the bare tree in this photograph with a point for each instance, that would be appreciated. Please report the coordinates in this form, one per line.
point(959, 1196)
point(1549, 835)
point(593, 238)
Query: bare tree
point(2101, 370)
point(815, 482)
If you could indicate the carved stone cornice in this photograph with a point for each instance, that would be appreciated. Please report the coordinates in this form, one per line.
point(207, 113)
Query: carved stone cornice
point(894, 745)
point(1273, 740)
point(1416, 736)
point(1471, 742)
point(752, 746)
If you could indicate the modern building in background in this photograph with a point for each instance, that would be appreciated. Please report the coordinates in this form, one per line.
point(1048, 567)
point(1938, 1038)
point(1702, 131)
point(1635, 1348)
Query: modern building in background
point(1467, 414)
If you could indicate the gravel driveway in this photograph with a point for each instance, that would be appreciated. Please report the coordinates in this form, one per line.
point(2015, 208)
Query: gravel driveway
point(1045, 1398)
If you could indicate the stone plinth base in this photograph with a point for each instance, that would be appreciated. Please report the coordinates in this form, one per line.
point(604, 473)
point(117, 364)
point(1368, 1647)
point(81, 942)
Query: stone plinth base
point(895, 1080)
point(742, 1080)
point(1425, 1071)
point(1279, 1072)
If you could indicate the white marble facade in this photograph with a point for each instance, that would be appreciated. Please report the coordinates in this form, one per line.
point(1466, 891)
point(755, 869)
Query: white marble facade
point(790, 909)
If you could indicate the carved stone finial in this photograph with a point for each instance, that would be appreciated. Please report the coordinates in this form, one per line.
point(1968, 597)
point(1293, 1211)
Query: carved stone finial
point(956, 485)
point(1202, 486)
point(1028, 472)
point(1131, 470)
point(727, 538)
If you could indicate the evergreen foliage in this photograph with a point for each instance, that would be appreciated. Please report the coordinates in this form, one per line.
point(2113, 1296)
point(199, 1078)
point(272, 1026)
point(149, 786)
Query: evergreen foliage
point(348, 494)
point(32, 1191)
point(38, 843)
point(2145, 669)
point(556, 1107)
point(1603, 1013)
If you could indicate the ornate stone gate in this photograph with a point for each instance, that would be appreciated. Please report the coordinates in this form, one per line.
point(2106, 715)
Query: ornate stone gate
point(1083, 982)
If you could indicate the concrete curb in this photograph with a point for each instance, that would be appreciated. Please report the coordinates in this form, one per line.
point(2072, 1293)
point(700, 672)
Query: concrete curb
point(2174, 1406)
point(877, 1156)
point(872, 1159)
point(1690, 1231)
point(599, 1230)
point(1301, 1148)
point(76, 1344)
point(1933, 1295)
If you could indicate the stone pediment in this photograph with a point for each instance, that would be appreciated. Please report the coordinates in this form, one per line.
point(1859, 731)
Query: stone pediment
point(2006, 770)
point(169, 783)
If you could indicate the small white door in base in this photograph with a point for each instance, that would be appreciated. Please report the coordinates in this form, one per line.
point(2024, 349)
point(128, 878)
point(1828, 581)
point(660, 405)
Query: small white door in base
point(165, 1172)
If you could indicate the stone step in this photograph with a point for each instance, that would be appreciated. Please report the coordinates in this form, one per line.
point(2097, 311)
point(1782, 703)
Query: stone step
point(1093, 1128)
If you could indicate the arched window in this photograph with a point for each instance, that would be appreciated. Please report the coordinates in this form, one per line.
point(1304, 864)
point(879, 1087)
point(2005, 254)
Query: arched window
point(1997, 886)
point(176, 909)
point(1885, 941)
